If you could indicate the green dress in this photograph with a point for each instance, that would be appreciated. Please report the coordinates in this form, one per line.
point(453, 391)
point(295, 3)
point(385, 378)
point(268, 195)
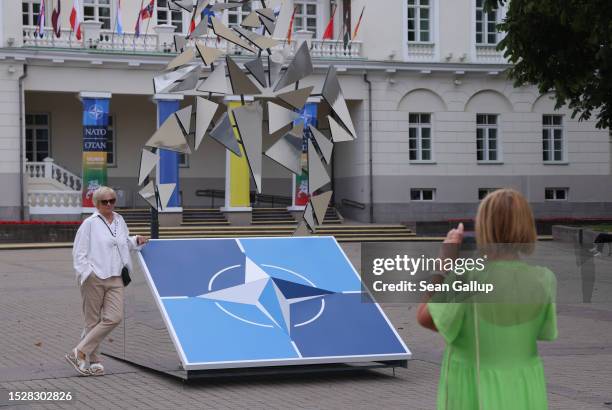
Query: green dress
point(491, 358)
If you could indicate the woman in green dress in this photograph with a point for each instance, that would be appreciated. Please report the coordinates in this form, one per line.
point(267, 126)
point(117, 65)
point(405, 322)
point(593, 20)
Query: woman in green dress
point(491, 360)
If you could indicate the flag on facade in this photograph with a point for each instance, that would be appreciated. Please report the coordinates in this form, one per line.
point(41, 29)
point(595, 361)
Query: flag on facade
point(143, 14)
point(118, 18)
point(346, 37)
point(40, 30)
point(290, 31)
point(192, 24)
point(57, 29)
point(328, 34)
point(358, 23)
point(208, 13)
point(76, 19)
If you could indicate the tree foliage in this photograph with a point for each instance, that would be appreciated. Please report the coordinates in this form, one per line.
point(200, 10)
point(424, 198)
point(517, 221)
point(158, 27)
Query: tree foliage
point(563, 47)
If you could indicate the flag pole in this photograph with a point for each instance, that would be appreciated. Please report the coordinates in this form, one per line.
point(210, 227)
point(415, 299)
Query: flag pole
point(147, 28)
point(115, 25)
point(138, 24)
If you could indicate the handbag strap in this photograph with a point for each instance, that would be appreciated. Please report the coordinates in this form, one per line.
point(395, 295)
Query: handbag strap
point(114, 236)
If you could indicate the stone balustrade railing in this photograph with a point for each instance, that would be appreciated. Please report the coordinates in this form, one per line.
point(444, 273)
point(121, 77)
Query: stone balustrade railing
point(54, 202)
point(161, 41)
point(48, 169)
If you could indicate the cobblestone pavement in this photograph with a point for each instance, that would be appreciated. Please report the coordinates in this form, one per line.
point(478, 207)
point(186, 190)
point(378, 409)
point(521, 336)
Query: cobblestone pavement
point(41, 321)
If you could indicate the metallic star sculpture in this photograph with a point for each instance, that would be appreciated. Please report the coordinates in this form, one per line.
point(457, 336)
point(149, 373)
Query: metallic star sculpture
point(261, 78)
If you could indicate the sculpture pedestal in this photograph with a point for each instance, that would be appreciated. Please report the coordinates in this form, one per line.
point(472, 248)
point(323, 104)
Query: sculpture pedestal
point(238, 216)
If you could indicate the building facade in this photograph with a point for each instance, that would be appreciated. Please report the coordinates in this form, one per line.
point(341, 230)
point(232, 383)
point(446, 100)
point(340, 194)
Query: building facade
point(439, 124)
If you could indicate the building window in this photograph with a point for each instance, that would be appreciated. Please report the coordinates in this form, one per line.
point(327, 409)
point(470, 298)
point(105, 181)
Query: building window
point(419, 137)
point(422, 194)
point(29, 12)
point(38, 144)
point(419, 21)
point(486, 24)
point(306, 16)
point(556, 194)
point(111, 139)
point(98, 10)
point(483, 192)
point(552, 138)
point(167, 16)
point(235, 16)
point(487, 142)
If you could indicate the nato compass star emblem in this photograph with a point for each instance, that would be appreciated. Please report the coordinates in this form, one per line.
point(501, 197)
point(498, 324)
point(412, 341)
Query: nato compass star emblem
point(96, 112)
point(272, 296)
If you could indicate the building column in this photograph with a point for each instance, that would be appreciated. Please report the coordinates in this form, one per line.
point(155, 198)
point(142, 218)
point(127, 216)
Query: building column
point(237, 205)
point(96, 106)
point(168, 170)
point(299, 183)
point(12, 143)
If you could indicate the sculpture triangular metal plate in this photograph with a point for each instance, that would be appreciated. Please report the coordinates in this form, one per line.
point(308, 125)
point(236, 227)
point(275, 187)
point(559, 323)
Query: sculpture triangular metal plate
point(165, 192)
point(268, 24)
point(259, 41)
point(333, 95)
point(339, 134)
point(317, 174)
point(200, 5)
point(161, 83)
point(286, 154)
point(267, 13)
point(185, 57)
point(300, 67)
point(148, 161)
point(319, 204)
point(179, 42)
point(249, 119)
point(169, 136)
point(216, 82)
point(205, 111)
point(275, 64)
point(309, 217)
point(186, 5)
point(325, 145)
point(251, 21)
point(279, 117)
point(184, 117)
point(241, 84)
point(148, 193)
point(188, 83)
point(296, 98)
point(200, 29)
point(207, 54)
point(302, 230)
point(223, 133)
point(223, 31)
point(257, 70)
point(296, 136)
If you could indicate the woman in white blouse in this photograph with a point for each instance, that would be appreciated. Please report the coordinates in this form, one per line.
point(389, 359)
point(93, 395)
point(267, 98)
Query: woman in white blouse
point(101, 249)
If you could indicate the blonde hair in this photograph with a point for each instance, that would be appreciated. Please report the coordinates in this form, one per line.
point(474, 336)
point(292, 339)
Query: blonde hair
point(103, 190)
point(505, 217)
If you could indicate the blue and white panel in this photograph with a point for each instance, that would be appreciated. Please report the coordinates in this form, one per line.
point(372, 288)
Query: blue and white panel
point(266, 301)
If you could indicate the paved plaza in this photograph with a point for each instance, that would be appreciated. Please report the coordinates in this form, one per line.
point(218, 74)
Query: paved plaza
point(40, 312)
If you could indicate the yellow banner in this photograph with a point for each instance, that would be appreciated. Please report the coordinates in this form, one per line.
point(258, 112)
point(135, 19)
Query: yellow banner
point(239, 177)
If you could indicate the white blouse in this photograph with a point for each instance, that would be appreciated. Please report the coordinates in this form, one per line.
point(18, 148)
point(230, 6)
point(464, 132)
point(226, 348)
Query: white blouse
point(102, 248)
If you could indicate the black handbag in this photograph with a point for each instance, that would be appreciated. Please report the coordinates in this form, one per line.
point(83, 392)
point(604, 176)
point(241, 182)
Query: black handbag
point(125, 272)
point(125, 276)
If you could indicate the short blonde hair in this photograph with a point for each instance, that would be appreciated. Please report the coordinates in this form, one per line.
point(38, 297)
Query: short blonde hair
point(103, 190)
point(505, 217)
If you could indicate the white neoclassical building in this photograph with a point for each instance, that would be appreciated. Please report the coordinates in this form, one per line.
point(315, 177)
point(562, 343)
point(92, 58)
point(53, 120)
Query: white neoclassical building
point(439, 123)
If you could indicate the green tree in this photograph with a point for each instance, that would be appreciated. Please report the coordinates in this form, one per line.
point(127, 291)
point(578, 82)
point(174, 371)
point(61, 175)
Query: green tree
point(563, 47)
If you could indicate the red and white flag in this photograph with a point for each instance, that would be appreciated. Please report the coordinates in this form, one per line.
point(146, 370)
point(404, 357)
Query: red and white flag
point(76, 19)
point(328, 34)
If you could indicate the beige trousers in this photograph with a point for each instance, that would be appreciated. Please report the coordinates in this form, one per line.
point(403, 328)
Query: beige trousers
point(103, 311)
